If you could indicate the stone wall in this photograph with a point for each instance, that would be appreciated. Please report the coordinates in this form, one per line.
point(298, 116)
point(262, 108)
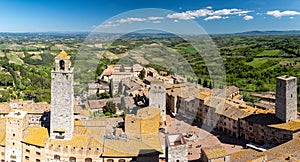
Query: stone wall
point(157, 97)
point(33, 153)
point(286, 98)
point(62, 103)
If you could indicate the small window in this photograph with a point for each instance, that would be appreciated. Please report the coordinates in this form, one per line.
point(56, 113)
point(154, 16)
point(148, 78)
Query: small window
point(38, 160)
point(27, 150)
point(38, 153)
point(26, 157)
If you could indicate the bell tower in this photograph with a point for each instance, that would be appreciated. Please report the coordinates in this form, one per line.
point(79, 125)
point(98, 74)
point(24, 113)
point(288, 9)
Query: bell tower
point(62, 98)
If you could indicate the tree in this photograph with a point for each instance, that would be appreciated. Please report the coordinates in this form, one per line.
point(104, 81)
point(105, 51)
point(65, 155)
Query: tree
point(111, 88)
point(142, 74)
point(110, 107)
point(123, 103)
point(199, 80)
point(205, 83)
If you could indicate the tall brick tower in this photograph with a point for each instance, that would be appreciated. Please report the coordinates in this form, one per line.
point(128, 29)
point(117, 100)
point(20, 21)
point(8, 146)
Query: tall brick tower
point(157, 97)
point(286, 98)
point(62, 98)
point(16, 123)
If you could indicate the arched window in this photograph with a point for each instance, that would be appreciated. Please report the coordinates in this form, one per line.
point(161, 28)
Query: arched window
point(72, 159)
point(56, 157)
point(121, 160)
point(88, 160)
point(62, 65)
point(110, 160)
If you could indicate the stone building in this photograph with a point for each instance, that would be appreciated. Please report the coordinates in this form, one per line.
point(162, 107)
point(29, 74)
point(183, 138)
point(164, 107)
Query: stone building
point(33, 144)
point(16, 123)
point(62, 98)
point(176, 149)
point(234, 117)
point(157, 97)
point(286, 98)
point(140, 123)
point(84, 140)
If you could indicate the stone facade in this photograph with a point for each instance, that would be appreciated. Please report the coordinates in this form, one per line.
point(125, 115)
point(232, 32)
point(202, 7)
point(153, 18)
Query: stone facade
point(62, 99)
point(286, 98)
point(16, 123)
point(176, 148)
point(157, 97)
point(238, 119)
point(33, 153)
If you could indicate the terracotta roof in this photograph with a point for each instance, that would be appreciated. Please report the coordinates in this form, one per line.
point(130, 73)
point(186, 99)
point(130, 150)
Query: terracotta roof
point(245, 155)
point(214, 152)
point(203, 95)
point(233, 112)
point(264, 105)
point(36, 135)
point(137, 67)
point(131, 148)
point(4, 108)
point(269, 95)
point(293, 125)
point(285, 150)
point(83, 137)
point(62, 54)
point(147, 112)
point(230, 90)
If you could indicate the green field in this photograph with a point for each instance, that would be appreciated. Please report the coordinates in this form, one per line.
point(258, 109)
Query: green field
point(257, 62)
point(270, 53)
point(13, 58)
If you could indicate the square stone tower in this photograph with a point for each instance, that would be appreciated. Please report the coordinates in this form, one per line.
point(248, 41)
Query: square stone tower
point(286, 98)
point(157, 97)
point(16, 123)
point(62, 98)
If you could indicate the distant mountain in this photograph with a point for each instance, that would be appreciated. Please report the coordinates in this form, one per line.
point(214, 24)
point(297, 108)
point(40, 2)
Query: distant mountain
point(272, 32)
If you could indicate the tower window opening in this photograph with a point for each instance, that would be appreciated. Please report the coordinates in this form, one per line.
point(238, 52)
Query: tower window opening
point(62, 65)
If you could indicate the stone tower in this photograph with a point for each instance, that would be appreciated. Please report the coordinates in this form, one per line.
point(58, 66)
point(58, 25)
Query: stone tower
point(62, 98)
point(16, 123)
point(286, 98)
point(157, 97)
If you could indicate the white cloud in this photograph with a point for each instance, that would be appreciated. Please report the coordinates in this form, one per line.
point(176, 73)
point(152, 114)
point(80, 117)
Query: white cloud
point(208, 13)
point(291, 18)
point(188, 15)
point(232, 11)
point(130, 20)
point(110, 24)
point(155, 18)
point(247, 17)
point(175, 21)
point(279, 14)
point(215, 17)
point(181, 16)
point(156, 22)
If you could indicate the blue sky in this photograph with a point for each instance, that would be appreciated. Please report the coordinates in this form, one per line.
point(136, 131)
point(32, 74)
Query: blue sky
point(215, 16)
